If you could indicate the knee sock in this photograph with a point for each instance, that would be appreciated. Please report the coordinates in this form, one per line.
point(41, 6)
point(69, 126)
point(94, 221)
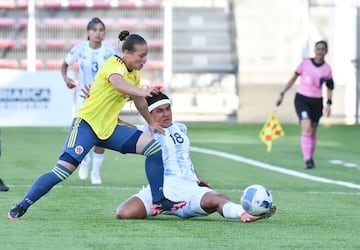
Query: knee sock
point(232, 210)
point(313, 142)
point(86, 160)
point(154, 169)
point(44, 183)
point(97, 162)
point(306, 145)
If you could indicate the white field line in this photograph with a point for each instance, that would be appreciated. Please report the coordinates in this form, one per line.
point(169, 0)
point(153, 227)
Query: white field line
point(235, 158)
point(274, 168)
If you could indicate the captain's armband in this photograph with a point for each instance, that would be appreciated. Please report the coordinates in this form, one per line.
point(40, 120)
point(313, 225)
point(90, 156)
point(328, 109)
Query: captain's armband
point(330, 84)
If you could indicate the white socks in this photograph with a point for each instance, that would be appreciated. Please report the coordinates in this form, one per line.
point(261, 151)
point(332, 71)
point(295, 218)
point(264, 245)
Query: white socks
point(97, 162)
point(232, 210)
point(86, 160)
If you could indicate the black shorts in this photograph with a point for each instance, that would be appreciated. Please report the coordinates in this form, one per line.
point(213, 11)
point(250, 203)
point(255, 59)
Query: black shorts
point(309, 108)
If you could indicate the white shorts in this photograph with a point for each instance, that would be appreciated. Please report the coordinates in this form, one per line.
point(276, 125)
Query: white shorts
point(178, 191)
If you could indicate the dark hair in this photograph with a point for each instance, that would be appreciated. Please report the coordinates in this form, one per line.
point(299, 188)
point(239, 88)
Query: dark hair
point(94, 21)
point(322, 42)
point(157, 100)
point(156, 97)
point(130, 41)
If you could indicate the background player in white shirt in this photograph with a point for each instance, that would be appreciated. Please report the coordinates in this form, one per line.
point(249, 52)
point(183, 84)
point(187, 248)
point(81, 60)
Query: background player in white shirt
point(90, 55)
point(180, 179)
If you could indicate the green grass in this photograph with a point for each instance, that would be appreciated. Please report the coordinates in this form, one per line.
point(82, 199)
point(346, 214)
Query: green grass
point(78, 215)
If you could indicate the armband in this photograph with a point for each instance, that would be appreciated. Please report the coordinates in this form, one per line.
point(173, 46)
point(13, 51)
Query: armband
point(329, 102)
point(330, 84)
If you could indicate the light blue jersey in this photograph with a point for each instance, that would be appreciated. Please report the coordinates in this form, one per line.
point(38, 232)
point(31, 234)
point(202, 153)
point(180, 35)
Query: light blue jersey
point(90, 60)
point(175, 151)
point(180, 180)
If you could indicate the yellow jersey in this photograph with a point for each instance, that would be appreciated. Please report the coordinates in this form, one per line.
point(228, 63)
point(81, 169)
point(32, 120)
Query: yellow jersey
point(101, 109)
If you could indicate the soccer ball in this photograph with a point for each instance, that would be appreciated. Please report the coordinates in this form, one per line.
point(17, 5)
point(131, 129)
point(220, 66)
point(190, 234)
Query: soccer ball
point(256, 200)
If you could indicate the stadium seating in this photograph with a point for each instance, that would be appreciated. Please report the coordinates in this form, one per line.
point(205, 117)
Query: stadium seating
point(78, 23)
point(52, 4)
point(9, 64)
point(39, 64)
point(151, 4)
point(129, 23)
point(154, 23)
point(55, 43)
point(24, 43)
point(126, 5)
point(77, 4)
point(7, 4)
point(7, 22)
point(101, 5)
point(23, 23)
point(56, 23)
point(73, 42)
point(154, 65)
point(7, 43)
point(53, 64)
point(155, 44)
point(109, 22)
point(22, 4)
point(61, 24)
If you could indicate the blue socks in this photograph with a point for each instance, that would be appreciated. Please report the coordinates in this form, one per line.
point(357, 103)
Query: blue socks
point(154, 169)
point(44, 183)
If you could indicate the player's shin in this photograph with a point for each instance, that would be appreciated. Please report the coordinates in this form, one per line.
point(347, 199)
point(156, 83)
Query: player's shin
point(44, 183)
point(154, 169)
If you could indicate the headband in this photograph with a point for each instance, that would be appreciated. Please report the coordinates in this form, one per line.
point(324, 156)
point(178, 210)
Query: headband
point(158, 103)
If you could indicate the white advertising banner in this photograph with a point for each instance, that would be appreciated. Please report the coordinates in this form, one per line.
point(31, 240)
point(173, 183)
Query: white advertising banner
point(34, 99)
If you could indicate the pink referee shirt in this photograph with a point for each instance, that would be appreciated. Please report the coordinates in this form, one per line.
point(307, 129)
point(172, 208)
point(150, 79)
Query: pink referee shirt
point(312, 78)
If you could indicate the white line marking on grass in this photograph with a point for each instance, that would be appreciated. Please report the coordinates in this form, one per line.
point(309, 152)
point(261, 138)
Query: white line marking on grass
point(137, 188)
point(345, 164)
point(274, 168)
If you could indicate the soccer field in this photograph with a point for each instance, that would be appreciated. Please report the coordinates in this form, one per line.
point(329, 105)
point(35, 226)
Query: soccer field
point(317, 209)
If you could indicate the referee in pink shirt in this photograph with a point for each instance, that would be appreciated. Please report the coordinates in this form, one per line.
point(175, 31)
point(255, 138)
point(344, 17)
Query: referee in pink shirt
point(315, 73)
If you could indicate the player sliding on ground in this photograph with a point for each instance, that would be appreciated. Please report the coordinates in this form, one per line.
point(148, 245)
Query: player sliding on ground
point(96, 124)
point(180, 182)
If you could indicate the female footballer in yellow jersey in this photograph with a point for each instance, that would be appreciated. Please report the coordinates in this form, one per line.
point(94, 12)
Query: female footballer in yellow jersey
point(96, 124)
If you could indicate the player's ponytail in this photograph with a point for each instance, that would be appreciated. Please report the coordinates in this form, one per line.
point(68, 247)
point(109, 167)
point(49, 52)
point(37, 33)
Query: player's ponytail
point(129, 41)
point(123, 35)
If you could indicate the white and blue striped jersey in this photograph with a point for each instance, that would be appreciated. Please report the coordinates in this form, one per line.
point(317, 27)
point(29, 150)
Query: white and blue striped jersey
point(175, 152)
point(90, 60)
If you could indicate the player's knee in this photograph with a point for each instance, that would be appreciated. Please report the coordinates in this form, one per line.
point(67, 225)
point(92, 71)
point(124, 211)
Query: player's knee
point(133, 208)
point(151, 148)
point(124, 213)
point(68, 158)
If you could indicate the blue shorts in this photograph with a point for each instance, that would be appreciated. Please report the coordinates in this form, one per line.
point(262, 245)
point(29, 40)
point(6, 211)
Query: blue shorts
point(82, 138)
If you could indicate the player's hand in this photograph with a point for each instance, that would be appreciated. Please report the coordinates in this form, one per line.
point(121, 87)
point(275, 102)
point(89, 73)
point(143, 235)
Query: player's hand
point(85, 91)
point(328, 110)
point(156, 127)
point(70, 83)
point(149, 92)
point(203, 183)
point(280, 99)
